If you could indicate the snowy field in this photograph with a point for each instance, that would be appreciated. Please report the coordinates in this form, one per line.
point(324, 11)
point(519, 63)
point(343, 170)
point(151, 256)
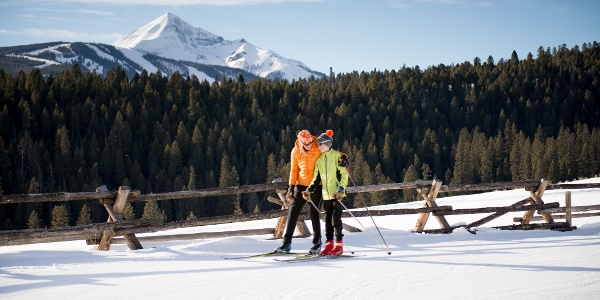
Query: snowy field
point(492, 264)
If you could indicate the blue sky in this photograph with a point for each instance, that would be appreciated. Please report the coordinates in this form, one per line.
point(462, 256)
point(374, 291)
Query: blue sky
point(346, 35)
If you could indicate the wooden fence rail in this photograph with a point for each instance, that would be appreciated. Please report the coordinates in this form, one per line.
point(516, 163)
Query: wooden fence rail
point(211, 192)
point(421, 184)
point(114, 201)
point(61, 197)
point(91, 231)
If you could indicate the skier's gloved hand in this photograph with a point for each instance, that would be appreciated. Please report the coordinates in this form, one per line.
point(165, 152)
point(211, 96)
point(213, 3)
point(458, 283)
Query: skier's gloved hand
point(343, 160)
point(339, 195)
point(289, 196)
point(306, 195)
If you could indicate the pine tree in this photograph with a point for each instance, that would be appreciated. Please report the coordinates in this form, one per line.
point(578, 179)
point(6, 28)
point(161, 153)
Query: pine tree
point(595, 144)
point(367, 179)
point(60, 217)
point(153, 214)
point(5, 165)
point(191, 216)
point(477, 151)
point(230, 204)
point(252, 203)
point(411, 174)
point(463, 167)
point(128, 213)
point(184, 141)
point(538, 149)
point(515, 160)
point(63, 156)
point(34, 221)
point(119, 167)
point(237, 207)
point(272, 171)
point(195, 205)
point(525, 170)
point(426, 171)
point(383, 197)
point(84, 216)
point(586, 158)
point(175, 165)
point(34, 186)
point(387, 157)
point(211, 202)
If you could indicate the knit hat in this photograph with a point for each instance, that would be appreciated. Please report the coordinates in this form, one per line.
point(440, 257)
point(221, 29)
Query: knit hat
point(305, 137)
point(326, 138)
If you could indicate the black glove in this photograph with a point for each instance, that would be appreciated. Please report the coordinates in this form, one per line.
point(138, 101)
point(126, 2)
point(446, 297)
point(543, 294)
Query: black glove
point(306, 195)
point(290, 193)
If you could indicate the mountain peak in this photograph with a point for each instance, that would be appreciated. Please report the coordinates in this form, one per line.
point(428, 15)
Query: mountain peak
point(170, 16)
point(169, 28)
point(170, 37)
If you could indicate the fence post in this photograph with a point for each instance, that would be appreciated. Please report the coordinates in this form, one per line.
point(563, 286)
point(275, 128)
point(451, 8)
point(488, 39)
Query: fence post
point(115, 213)
point(281, 220)
point(430, 202)
point(568, 207)
point(536, 198)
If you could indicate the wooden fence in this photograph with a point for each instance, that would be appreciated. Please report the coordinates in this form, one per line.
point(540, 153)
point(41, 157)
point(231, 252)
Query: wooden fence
point(114, 201)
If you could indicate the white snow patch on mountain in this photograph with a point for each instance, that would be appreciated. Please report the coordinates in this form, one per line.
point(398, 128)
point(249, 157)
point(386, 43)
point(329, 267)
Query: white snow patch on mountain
point(139, 59)
point(201, 75)
point(46, 62)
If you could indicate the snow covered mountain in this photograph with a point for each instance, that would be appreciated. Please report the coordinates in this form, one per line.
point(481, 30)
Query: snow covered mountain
point(170, 37)
point(167, 44)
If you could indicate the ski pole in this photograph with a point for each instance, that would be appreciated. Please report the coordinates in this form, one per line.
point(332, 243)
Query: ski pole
point(322, 213)
point(368, 212)
point(366, 230)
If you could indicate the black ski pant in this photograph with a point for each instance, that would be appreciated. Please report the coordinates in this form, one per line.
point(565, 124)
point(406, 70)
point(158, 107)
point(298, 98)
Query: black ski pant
point(333, 219)
point(295, 210)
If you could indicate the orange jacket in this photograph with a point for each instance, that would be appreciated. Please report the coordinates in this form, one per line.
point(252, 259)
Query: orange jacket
point(303, 165)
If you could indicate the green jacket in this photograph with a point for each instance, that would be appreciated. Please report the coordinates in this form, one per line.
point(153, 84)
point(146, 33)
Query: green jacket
point(329, 174)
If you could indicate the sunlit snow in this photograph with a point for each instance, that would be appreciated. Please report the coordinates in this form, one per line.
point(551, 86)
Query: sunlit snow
point(492, 264)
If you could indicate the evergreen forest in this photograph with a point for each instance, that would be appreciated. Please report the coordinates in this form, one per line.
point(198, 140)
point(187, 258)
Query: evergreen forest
point(475, 122)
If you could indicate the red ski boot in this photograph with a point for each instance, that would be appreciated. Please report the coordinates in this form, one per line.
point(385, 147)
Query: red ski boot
point(338, 249)
point(328, 247)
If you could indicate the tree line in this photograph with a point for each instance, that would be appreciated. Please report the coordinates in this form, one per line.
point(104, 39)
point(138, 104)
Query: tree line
point(479, 121)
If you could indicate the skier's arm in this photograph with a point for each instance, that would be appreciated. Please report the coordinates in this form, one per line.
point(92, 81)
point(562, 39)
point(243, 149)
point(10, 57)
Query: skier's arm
point(344, 176)
point(314, 184)
point(294, 167)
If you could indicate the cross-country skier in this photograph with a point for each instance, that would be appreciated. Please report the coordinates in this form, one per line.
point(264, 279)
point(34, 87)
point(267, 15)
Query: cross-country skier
point(330, 172)
point(303, 157)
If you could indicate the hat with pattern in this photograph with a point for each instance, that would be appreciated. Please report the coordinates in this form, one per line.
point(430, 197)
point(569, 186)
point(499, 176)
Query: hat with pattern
point(305, 137)
point(326, 138)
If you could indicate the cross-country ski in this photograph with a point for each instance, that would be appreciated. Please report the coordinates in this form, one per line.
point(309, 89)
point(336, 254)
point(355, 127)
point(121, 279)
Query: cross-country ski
point(312, 257)
point(268, 254)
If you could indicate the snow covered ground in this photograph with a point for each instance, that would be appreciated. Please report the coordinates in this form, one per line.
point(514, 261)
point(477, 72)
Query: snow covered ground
point(492, 264)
